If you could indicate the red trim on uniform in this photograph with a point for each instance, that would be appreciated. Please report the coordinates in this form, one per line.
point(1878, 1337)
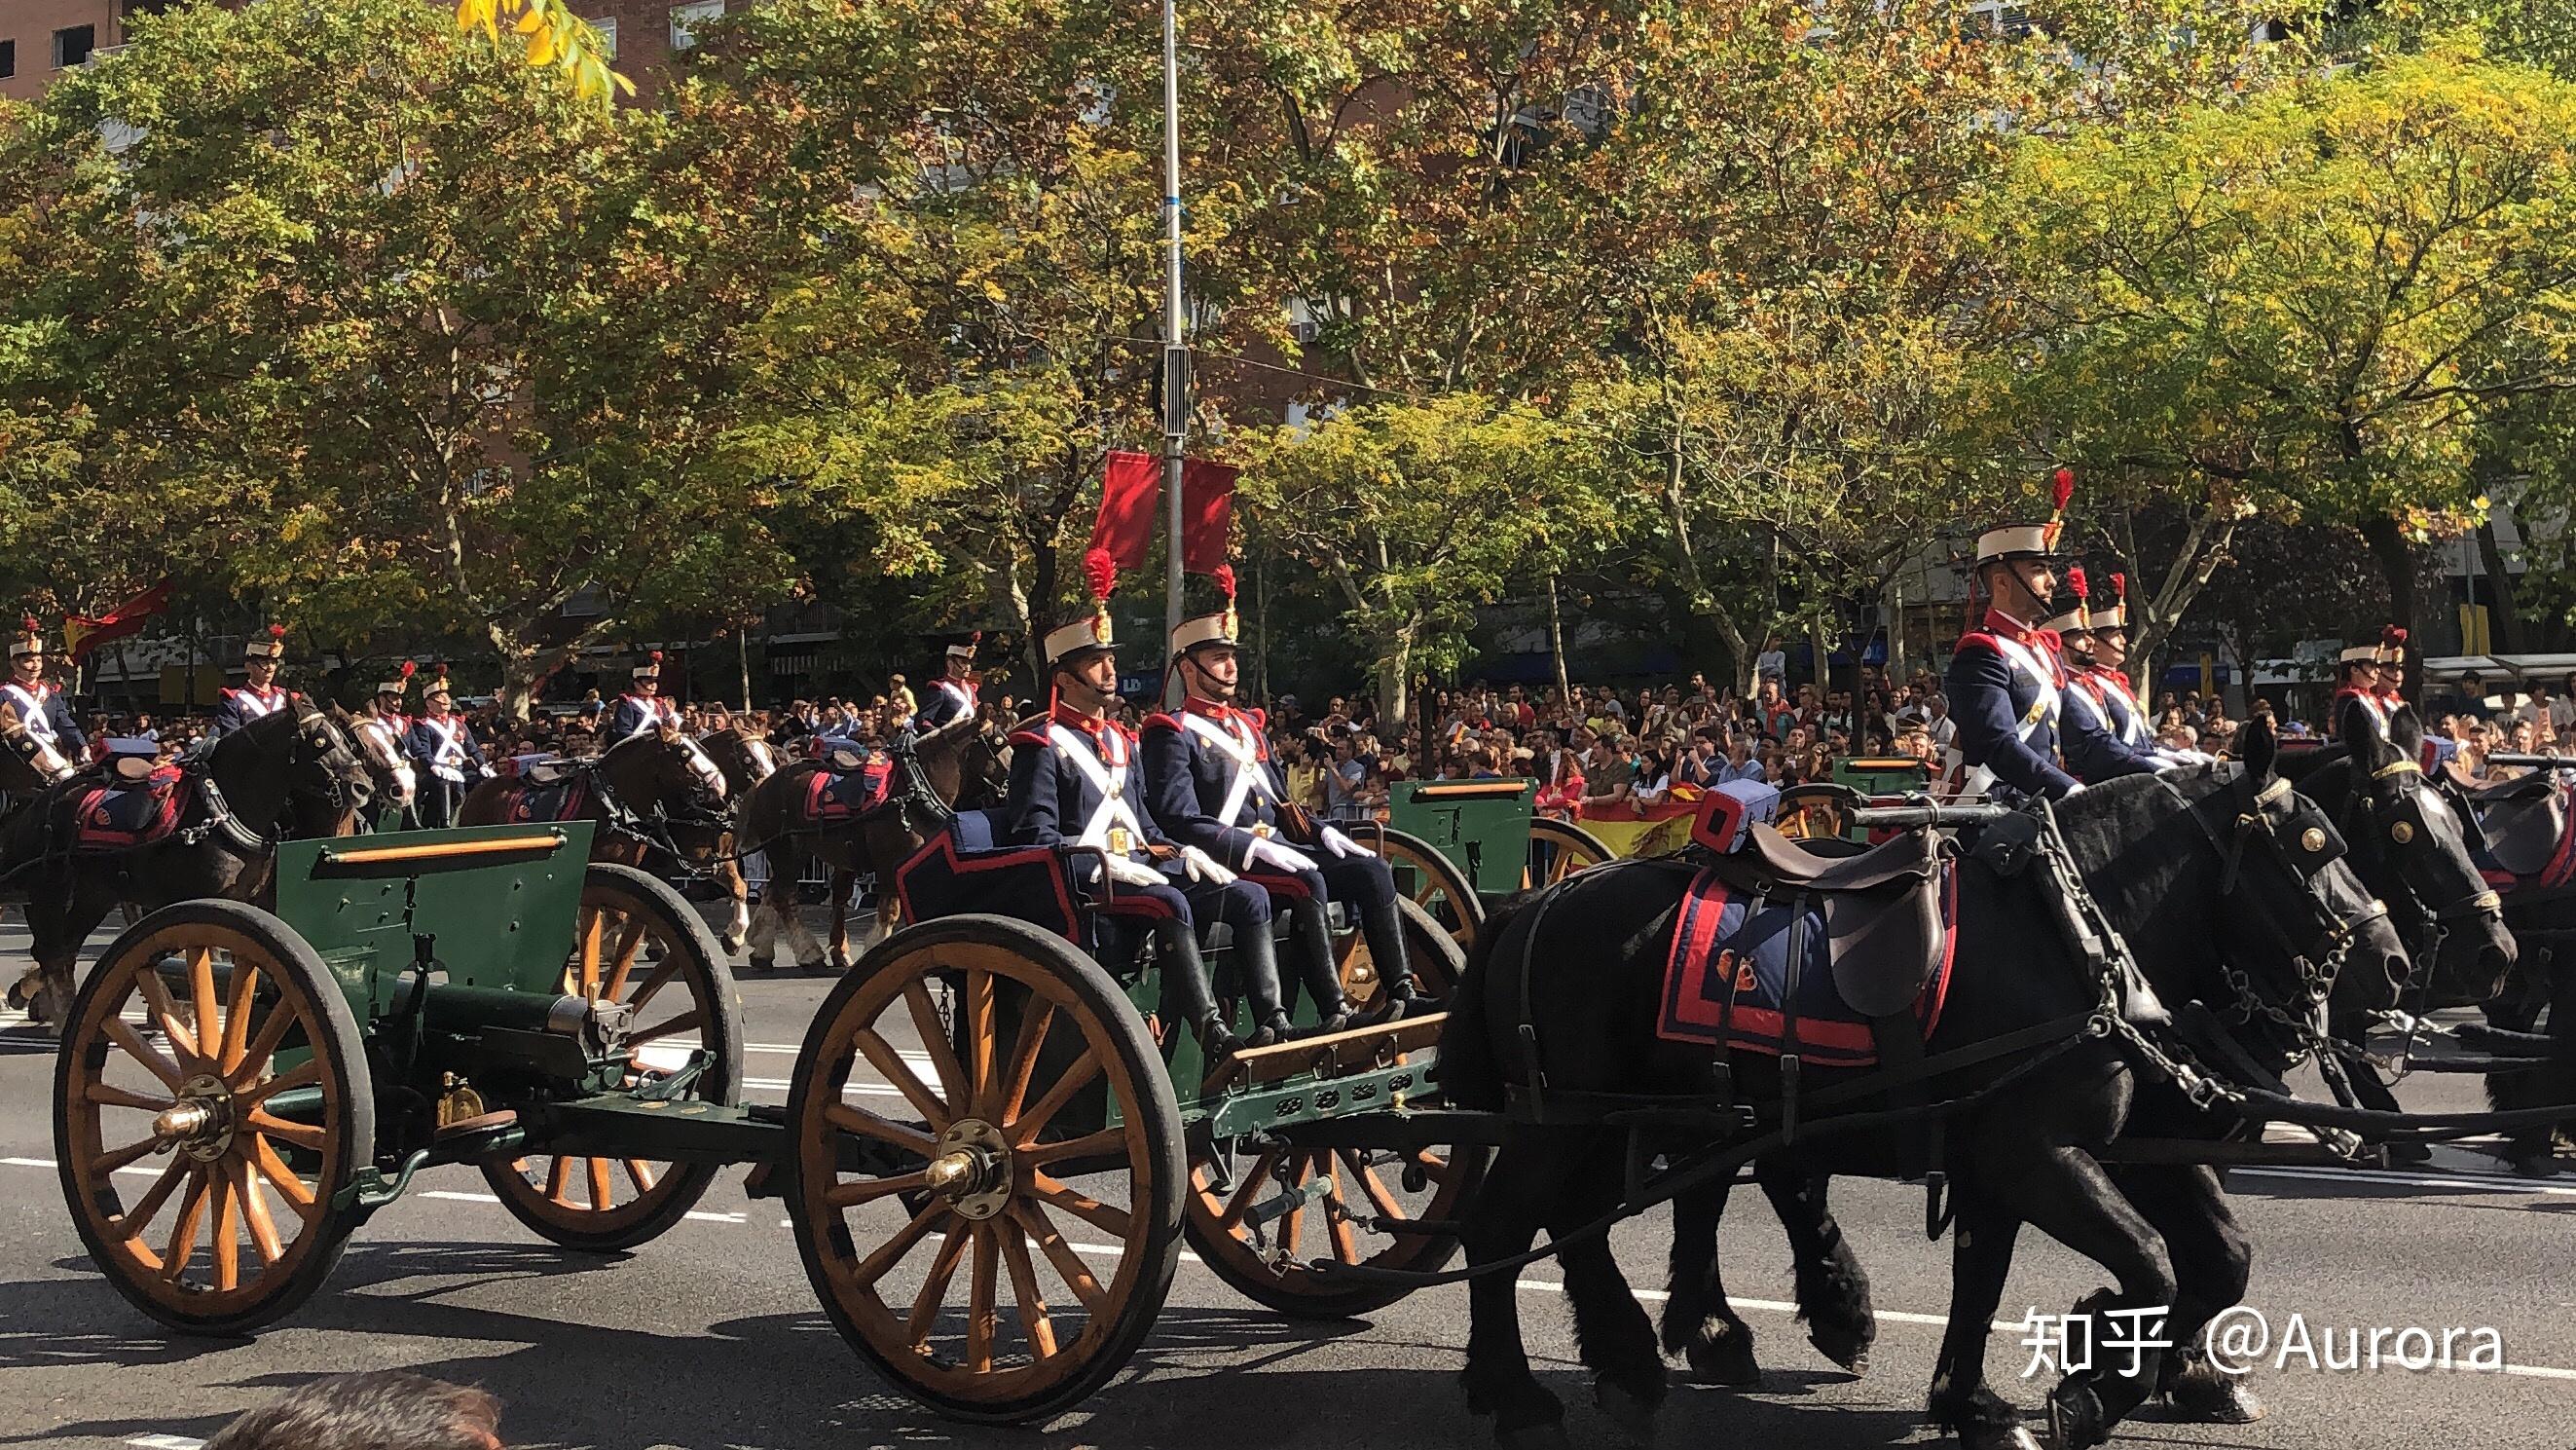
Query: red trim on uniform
point(1160, 721)
point(1288, 886)
point(1141, 904)
point(1030, 737)
point(945, 844)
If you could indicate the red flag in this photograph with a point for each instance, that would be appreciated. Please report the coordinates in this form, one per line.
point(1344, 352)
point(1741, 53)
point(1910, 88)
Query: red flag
point(1128, 493)
point(82, 635)
point(1207, 511)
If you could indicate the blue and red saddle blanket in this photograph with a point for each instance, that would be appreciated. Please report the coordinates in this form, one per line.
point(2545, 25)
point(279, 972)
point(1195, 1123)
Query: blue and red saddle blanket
point(532, 802)
point(1726, 980)
point(832, 796)
point(118, 818)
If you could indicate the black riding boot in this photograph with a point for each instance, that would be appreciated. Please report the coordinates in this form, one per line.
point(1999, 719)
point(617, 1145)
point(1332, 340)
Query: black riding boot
point(1256, 961)
point(1185, 989)
point(1315, 970)
point(1397, 996)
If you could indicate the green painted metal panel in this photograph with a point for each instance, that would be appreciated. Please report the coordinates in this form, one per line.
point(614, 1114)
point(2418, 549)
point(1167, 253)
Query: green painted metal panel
point(503, 920)
point(1482, 826)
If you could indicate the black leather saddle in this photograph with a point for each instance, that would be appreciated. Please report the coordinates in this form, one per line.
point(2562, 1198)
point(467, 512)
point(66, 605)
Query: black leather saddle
point(1881, 904)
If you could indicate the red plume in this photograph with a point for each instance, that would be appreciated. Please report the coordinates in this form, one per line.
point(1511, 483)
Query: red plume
point(1100, 571)
point(2061, 488)
point(976, 638)
point(2076, 581)
point(277, 631)
point(655, 657)
point(408, 667)
point(31, 624)
point(2393, 635)
point(1224, 576)
point(2120, 588)
point(442, 669)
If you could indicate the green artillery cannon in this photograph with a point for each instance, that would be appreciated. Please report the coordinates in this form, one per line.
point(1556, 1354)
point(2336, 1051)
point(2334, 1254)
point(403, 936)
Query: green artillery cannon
point(991, 1152)
point(1457, 845)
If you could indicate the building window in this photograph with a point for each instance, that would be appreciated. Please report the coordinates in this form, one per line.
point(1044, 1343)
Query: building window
point(72, 45)
point(606, 25)
point(8, 59)
point(685, 20)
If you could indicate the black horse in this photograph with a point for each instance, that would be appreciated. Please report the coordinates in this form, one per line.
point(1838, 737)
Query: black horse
point(291, 773)
point(2200, 872)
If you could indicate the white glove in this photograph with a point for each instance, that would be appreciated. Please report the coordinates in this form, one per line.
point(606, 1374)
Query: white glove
point(1131, 872)
point(1341, 845)
point(1268, 852)
point(1204, 867)
point(2073, 789)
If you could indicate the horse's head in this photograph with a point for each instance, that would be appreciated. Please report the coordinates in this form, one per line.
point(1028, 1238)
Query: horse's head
point(27, 763)
point(964, 763)
point(327, 780)
point(391, 771)
point(664, 768)
point(745, 757)
point(2293, 917)
point(2409, 836)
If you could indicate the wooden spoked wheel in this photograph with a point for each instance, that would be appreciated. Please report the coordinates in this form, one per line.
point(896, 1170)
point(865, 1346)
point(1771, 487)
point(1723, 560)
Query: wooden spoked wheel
point(1438, 960)
point(1558, 849)
point(1283, 1209)
point(1811, 814)
point(1435, 884)
point(211, 1105)
point(988, 1170)
point(638, 942)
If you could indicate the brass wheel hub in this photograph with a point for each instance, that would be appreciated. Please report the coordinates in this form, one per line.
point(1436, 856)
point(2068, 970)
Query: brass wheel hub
point(199, 1124)
point(971, 1169)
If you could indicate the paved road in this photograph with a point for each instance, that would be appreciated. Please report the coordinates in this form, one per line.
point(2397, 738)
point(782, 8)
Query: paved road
point(710, 1337)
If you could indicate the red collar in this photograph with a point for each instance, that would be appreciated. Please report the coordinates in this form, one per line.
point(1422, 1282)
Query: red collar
point(1212, 709)
point(1092, 725)
point(2004, 626)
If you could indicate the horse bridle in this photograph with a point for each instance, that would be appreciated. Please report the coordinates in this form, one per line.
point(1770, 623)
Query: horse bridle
point(2484, 902)
point(2317, 847)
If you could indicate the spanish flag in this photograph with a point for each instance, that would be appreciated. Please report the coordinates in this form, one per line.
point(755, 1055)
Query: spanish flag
point(82, 634)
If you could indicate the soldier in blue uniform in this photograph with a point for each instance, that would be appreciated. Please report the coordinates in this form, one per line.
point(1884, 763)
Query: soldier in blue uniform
point(1212, 784)
point(2005, 677)
point(260, 693)
point(451, 763)
point(641, 708)
point(2096, 698)
point(39, 701)
point(952, 695)
point(1074, 781)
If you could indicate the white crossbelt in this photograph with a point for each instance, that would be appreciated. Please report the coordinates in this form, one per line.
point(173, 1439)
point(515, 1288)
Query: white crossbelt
point(1110, 779)
point(31, 711)
point(1249, 777)
point(2024, 662)
point(254, 705)
point(447, 762)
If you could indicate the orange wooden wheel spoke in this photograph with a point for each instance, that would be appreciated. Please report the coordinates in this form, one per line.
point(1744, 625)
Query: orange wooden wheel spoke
point(1109, 1220)
point(866, 1124)
point(263, 1225)
point(654, 982)
point(227, 1234)
point(891, 1066)
point(559, 1181)
point(891, 1252)
point(1293, 1227)
point(260, 1049)
point(107, 1163)
point(1248, 1189)
point(1089, 1145)
point(183, 1233)
point(1337, 1213)
point(295, 1133)
point(236, 1039)
point(1068, 1264)
point(1025, 1294)
point(209, 1007)
point(156, 999)
point(640, 1173)
point(979, 1304)
point(154, 1060)
point(298, 1195)
point(868, 1190)
point(603, 1194)
point(981, 1089)
point(630, 944)
point(586, 981)
point(934, 1287)
point(934, 1041)
point(109, 1095)
point(131, 1223)
point(303, 1074)
point(1379, 1199)
point(1077, 1076)
point(688, 1021)
point(1034, 1023)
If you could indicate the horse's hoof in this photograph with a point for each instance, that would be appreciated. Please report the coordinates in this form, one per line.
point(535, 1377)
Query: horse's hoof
point(815, 965)
point(840, 960)
point(730, 943)
point(2537, 1163)
point(2409, 1155)
point(1631, 1412)
point(761, 964)
point(1845, 1344)
point(1724, 1363)
point(2210, 1398)
point(1550, 1436)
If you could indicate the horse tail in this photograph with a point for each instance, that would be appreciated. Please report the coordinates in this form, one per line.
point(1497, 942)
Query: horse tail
point(1470, 1074)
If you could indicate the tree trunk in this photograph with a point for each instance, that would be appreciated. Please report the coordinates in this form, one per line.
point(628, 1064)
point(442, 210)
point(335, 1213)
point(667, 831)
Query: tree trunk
point(1556, 641)
point(742, 657)
point(2504, 619)
point(2395, 554)
point(1395, 677)
point(1820, 640)
point(520, 676)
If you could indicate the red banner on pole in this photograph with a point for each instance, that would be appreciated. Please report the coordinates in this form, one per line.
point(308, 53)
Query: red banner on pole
point(1128, 493)
point(1207, 511)
point(82, 635)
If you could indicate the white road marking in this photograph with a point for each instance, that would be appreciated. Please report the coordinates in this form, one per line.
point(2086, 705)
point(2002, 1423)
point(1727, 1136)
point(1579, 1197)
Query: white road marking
point(164, 1442)
point(2462, 1182)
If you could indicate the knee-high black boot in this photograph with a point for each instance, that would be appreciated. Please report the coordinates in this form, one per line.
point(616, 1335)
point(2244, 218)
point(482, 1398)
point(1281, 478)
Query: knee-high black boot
point(1398, 996)
point(1256, 960)
point(1185, 988)
point(1315, 970)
